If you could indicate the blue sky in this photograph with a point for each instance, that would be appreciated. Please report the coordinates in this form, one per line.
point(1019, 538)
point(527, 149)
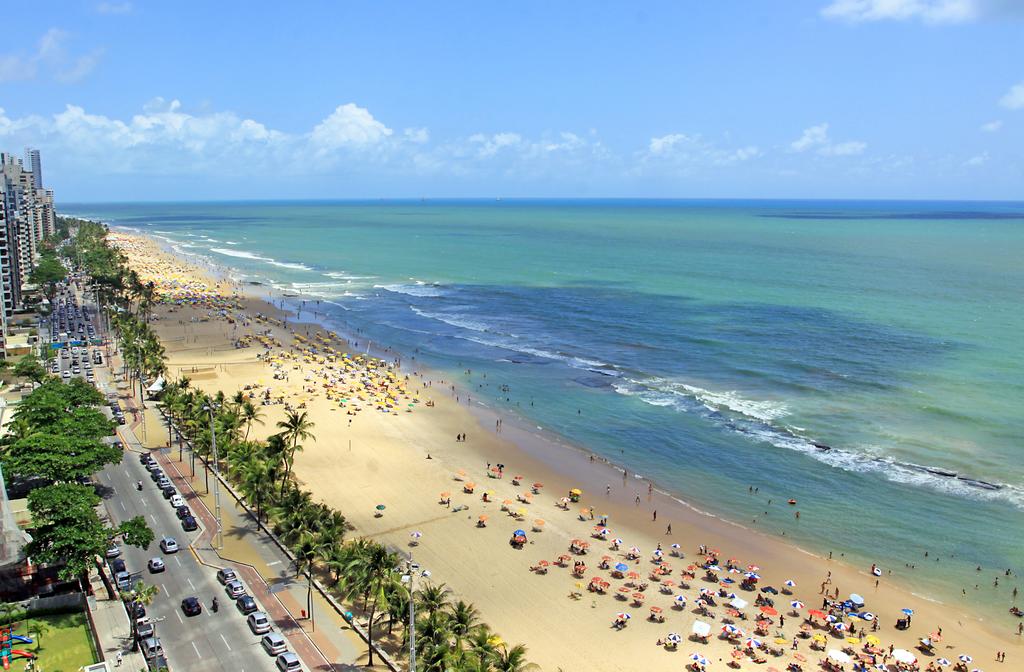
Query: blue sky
point(803, 98)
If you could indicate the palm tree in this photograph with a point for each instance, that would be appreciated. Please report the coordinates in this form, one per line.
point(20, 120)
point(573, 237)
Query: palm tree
point(484, 644)
point(295, 426)
point(251, 414)
point(36, 630)
point(257, 483)
point(432, 598)
point(463, 618)
point(143, 595)
point(511, 660)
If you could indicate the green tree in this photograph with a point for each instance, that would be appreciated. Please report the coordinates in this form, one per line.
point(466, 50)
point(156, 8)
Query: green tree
point(251, 414)
point(58, 457)
point(141, 594)
point(36, 630)
point(30, 367)
point(47, 273)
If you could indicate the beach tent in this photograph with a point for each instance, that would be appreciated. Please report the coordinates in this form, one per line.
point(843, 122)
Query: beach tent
point(156, 388)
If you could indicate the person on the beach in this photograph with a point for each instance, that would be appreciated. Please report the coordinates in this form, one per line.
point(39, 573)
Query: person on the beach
point(668, 530)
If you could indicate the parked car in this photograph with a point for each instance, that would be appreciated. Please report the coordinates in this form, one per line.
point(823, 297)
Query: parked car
point(143, 630)
point(177, 500)
point(163, 482)
point(123, 580)
point(168, 545)
point(191, 606)
point(225, 574)
point(183, 511)
point(151, 647)
point(234, 589)
point(274, 643)
point(113, 551)
point(189, 524)
point(246, 604)
point(156, 565)
point(117, 565)
point(259, 623)
point(145, 458)
point(288, 662)
point(168, 491)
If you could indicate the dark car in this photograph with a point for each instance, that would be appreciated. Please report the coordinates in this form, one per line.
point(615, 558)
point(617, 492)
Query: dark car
point(246, 604)
point(183, 511)
point(189, 524)
point(117, 565)
point(144, 458)
point(156, 474)
point(191, 606)
point(121, 420)
point(169, 492)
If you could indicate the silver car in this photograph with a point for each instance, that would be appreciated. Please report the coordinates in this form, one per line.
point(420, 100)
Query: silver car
point(234, 589)
point(259, 623)
point(169, 545)
point(274, 643)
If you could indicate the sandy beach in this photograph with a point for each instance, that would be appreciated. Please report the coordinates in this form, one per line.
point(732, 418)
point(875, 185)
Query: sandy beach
point(386, 435)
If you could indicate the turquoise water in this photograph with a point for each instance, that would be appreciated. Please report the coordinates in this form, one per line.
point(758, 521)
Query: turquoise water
point(864, 358)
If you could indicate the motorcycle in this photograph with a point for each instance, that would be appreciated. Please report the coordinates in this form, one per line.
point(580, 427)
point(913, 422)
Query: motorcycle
point(138, 485)
point(215, 606)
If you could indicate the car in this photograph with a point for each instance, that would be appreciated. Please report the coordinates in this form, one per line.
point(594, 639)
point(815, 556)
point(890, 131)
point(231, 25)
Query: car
point(76, 370)
point(66, 375)
point(168, 491)
point(145, 458)
point(177, 500)
point(163, 482)
point(117, 565)
point(189, 524)
point(168, 545)
point(274, 643)
point(246, 604)
point(288, 662)
point(156, 474)
point(143, 630)
point(191, 606)
point(113, 551)
point(259, 623)
point(151, 647)
point(121, 420)
point(152, 466)
point(156, 565)
point(234, 589)
point(123, 580)
point(183, 511)
point(225, 574)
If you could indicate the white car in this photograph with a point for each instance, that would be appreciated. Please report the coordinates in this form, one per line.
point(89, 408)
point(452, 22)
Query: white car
point(156, 565)
point(113, 551)
point(259, 623)
point(234, 589)
point(177, 500)
point(168, 545)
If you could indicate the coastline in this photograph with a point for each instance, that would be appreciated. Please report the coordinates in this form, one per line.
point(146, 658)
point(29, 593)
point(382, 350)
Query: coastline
point(520, 605)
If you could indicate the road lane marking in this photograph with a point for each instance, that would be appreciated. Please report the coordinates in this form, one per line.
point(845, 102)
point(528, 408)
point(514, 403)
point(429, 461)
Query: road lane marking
point(144, 502)
point(225, 642)
point(163, 589)
point(179, 617)
point(177, 561)
point(275, 562)
point(196, 649)
point(190, 583)
point(153, 516)
point(122, 505)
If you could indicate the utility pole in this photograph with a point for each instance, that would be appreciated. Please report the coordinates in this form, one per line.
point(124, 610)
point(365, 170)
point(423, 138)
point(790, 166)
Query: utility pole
point(412, 568)
point(216, 481)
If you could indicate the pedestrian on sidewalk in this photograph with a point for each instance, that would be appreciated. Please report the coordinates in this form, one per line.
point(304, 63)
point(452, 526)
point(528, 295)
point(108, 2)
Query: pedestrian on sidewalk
point(120, 657)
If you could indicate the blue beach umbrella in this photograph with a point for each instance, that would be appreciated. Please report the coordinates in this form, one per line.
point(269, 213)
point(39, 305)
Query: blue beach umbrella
point(943, 661)
point(519, 533)
point(621, 567)
point(908, 612)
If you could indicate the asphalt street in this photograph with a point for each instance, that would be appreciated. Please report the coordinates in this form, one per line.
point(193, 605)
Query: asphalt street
point(209, 641)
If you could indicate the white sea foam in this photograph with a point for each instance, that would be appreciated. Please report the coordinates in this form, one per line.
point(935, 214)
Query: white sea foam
point(460, 321)
point(419, 288)
point(340, 275)
point(230, 242)
point(754, 419)
point(241, 254)
point(292, 265)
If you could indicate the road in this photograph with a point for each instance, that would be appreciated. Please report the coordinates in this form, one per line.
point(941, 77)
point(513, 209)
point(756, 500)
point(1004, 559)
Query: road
point(209, 641)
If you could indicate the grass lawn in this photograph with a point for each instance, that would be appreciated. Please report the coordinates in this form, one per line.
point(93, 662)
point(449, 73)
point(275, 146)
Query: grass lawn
point(65, 647)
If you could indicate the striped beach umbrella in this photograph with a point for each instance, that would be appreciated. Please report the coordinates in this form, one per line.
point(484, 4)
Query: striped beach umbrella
point(796, 604)
point(964, 658)
point(674, 637)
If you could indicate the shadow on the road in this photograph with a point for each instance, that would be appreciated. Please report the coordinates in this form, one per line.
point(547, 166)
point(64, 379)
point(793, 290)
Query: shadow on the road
point(105, 491)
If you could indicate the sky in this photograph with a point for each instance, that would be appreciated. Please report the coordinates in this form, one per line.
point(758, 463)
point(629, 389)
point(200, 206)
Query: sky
point(137, 100)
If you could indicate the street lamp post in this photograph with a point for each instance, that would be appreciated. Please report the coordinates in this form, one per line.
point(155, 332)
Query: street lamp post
point(216, 480)
point(412, 568)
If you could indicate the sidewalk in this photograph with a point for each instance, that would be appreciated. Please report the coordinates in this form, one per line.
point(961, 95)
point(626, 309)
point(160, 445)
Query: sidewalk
point(331, 644)
point(112, 628)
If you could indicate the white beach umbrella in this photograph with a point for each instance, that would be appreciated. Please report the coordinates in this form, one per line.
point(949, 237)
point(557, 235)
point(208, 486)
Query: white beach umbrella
point(943, 661)
point(674, 637)
point(701, 629)
point(699, 659)
point(738, 603)
point(903, 656)
point(839, 656)
point(964, 658)
point(789, 583)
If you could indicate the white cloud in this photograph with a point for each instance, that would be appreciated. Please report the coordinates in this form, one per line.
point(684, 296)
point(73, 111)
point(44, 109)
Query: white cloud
point(992, 126)
point(50, 52)
point(1014, 98)
point(418, 136)
point(489, 145)
point(816, 138)
point(114, 8)
point(349, 125)
point(684, 151)
point(978, 160)
point(929, 11)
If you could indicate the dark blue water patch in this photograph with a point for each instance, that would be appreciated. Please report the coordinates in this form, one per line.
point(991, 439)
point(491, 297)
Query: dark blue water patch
point(940, 215)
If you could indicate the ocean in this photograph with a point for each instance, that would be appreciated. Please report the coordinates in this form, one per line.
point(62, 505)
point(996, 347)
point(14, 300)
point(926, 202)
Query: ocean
point(864, 358)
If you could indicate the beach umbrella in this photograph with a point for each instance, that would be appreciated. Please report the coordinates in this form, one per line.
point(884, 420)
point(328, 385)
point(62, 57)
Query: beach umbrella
point(701, 629)
point(634, 550)
point(769, 611)
point(675, 547)
point(752, 575)
point(796, 604)
point(680, 600)
point(853, 640)
point(699, 659)
point(639, 597)
point(800, 657)
point(623, 616)
point(658, 553)
point(867, 616)
point(519, 533)
point(416, 535)
point(789, 583)
point(545, 563)
point(817, 613)
point(380, 507)
point(621, 567)
point(839, 656)
point(753, 568)
point(633, 575)
point(904, 656)
point(942, 661)
point(674, 638)
point(839, 627)
point(908, 612)
point(753, 643)
point(617, 542)
point(713, 568)
point(964, 658)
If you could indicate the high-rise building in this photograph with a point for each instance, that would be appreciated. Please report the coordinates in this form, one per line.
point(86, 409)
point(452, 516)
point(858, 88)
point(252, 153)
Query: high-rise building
point(34, 167)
